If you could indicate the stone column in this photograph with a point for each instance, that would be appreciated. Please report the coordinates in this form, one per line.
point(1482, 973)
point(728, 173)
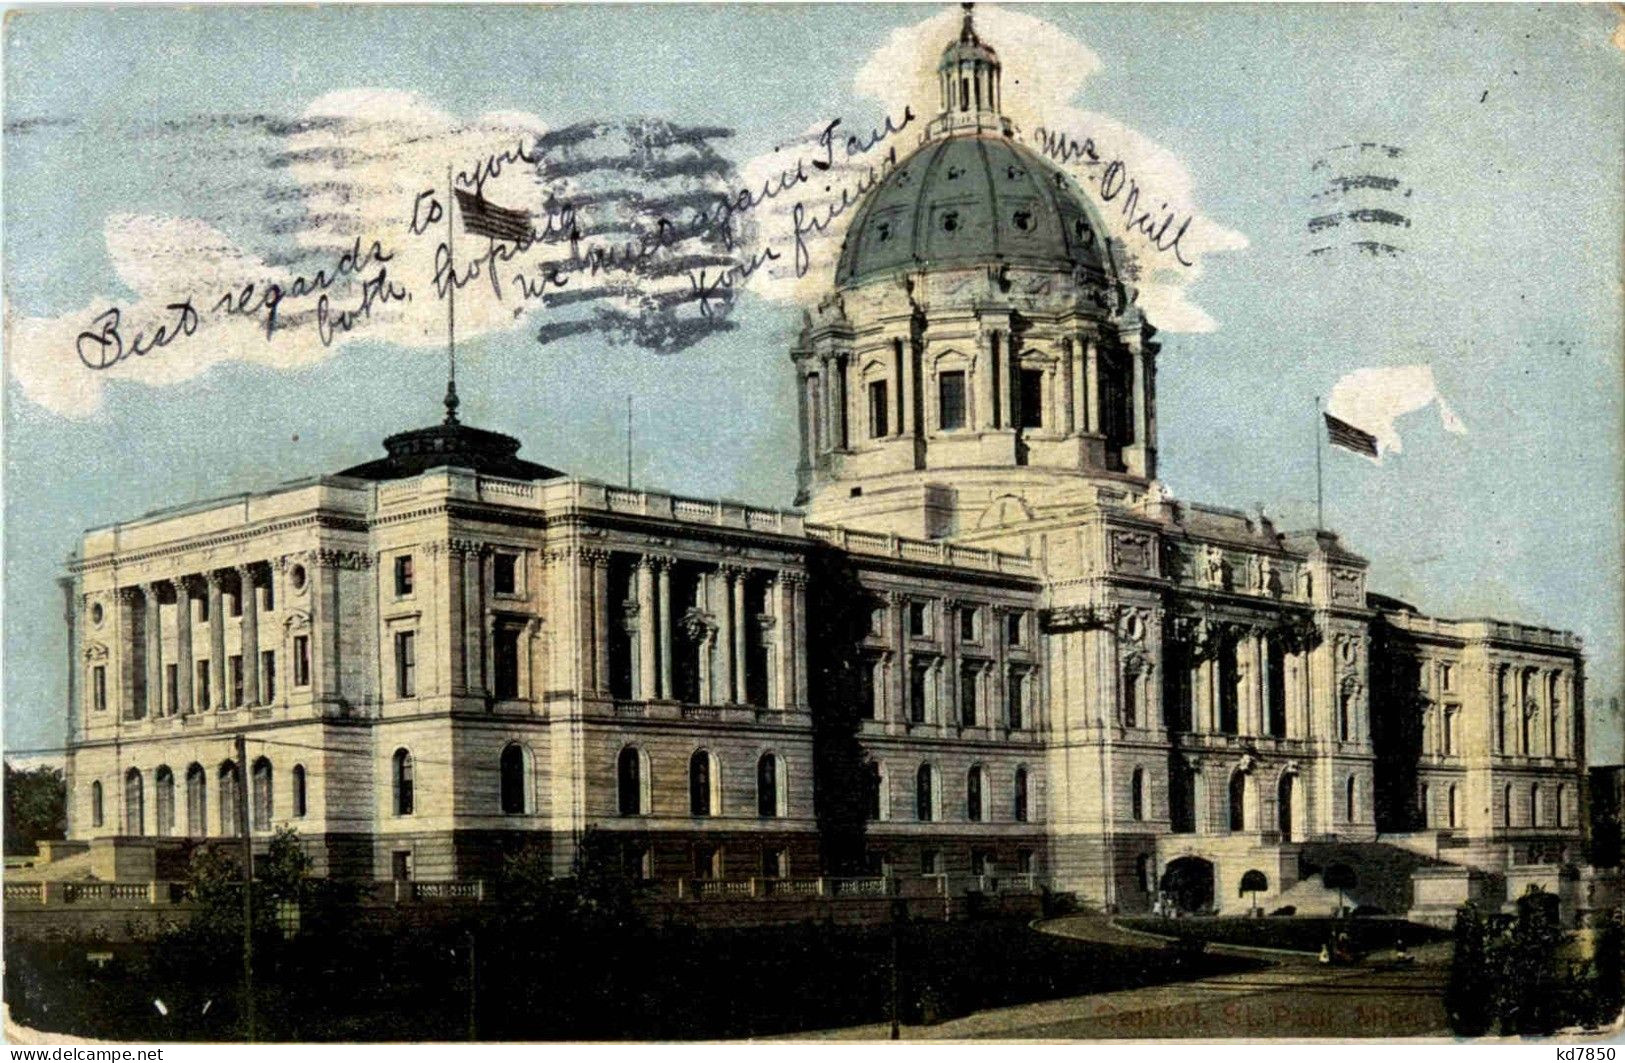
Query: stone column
point(725, 635)
point(953, 696)
point(217, 638)
point(1091, 385)
point(1258, 686)
point(152, 629)
point(784, 608)
point(740, 632)
point(772, 639)
point(648, 675)
point(663, 576)
point(472, 605)
point(838, 433)
point(251, 635)
point(798, 650)
point(457, 642)
point(1137, 457)
point(183, 645)
point(984, 408)
point(599, 560)
point(1066, 377)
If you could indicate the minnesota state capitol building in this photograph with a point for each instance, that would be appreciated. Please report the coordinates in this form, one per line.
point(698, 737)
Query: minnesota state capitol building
point(988, 643)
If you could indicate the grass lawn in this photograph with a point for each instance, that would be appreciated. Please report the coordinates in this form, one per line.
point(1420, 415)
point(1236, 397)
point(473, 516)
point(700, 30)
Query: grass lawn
point(1297, 933)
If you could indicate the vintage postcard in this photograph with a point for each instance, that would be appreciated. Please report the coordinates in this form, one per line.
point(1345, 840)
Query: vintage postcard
point(824, 522)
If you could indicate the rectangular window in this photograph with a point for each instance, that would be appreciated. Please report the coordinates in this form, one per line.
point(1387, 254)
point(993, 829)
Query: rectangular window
point(202, 685)
point(967, 623)
point(236, 608)
point(301, 660)
point(203, 610)
point(916, 693)
point(916, 620)
point(400, 865)
point(98, 688)
point(951, 401)
point(269, 597)
point(1447, 677)
point(504, 571)
point(877, 409)
point(506, 650)
point(172, 688)
point(1017, 700)
point(1013, 628)
point(234, 664)
point(877, 620)
point(406, 664)
point(268, 675)
point(1032, 398)
point(403, 575)
point(967, 694)
point(930, 862)
point(1449, 733)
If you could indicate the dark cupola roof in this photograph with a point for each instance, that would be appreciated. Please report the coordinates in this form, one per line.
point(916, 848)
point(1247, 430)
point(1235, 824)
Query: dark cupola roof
point(451, 443)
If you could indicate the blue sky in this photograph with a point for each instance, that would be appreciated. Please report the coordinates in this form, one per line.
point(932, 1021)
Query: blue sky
point(1508, 284)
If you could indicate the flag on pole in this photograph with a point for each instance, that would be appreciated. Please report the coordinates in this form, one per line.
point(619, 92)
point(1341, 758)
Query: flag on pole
point(1342, 434)
point(484, 218)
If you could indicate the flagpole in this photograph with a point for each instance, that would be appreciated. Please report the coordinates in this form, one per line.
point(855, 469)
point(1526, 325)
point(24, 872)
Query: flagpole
point(1320, 490)
point(451, 301)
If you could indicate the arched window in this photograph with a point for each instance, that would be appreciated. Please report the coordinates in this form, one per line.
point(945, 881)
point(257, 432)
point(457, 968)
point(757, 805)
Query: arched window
point(511, 767)
point(1453, 810)
point(196, 796)
point(135, 809)
point(1144, 874)
point(262, 794)
point(1536, 818)
point(1562, 806)
point(1350, 806)
point(299, 791)
point(1285, 814)
point(875, 791)
point(1422, 808)
point(925, 806)
point(1506, 807)
point(1022, 798)
point(164, 782)
point(629, 781)
point(1238, 801)
point(701, 781)
point(1131, 696)
point(96, 814)
point(401, 783)
point(973, 794)
point(1136, 795)
point(768, 793)
point(228, 799)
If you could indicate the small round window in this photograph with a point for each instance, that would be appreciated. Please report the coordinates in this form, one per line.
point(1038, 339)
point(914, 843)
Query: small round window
point(950, 221)
point(96, 614)
point(296, 576)
point(1085, 232)
point(883, 232)
point(1024, 220)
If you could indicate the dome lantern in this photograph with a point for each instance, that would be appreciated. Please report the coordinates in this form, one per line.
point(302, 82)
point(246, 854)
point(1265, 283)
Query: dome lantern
point(968, 85)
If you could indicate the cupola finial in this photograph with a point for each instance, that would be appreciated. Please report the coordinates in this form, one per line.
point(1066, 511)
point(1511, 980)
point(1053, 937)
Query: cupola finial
point(451, 402)
point(967, 31)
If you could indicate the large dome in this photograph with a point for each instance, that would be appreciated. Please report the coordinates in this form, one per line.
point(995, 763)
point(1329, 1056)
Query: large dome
point(966, 200)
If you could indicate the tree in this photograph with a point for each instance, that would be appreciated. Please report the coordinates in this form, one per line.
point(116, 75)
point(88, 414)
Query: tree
point(1470, 995)
point(1252, 882)
point(1532, 996)
point(36, 808)
point(1339, 877)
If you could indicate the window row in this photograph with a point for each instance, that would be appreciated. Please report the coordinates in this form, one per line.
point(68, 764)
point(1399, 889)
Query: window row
point(505, 643)
point(203, 683)
point(981, 803)
point(262, 808)
point(634, 784)
point(968, 703)
point(923, 618)
point(505, 574)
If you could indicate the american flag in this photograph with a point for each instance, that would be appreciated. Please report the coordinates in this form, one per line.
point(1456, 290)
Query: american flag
point(1342, 434)
point(484, 218)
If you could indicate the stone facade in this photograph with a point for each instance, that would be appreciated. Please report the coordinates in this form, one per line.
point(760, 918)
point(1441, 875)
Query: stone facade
point(993, 642)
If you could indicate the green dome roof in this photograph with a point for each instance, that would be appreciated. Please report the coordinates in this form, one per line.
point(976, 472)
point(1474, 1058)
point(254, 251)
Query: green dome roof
point(972, 200)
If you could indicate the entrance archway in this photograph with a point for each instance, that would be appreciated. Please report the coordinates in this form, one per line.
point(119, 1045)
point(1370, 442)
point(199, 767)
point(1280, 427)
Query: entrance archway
point(1188, 882)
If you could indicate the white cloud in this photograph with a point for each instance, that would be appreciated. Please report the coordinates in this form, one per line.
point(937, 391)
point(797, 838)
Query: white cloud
point(1375, 398)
